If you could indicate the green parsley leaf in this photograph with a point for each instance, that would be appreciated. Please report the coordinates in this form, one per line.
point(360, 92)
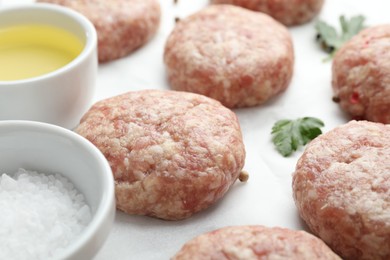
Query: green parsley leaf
point(288, 135)
point(331, 40)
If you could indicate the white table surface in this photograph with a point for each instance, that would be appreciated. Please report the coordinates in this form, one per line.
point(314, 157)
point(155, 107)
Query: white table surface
point(266, 198)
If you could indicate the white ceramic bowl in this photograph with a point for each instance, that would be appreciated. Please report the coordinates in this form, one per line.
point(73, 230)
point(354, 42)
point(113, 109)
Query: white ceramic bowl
point(60, 97)
point(48, 148)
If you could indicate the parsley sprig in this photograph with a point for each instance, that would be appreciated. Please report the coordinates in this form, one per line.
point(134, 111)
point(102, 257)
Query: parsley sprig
point(331, 40)
point(288, 135)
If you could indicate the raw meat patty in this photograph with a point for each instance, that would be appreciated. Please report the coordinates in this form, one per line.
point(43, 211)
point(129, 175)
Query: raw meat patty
point(361, 75)
point(172, 153)
point(239, 57)
point(288, 12)
point(342, 189)
point(255, 242)
point(122, 25)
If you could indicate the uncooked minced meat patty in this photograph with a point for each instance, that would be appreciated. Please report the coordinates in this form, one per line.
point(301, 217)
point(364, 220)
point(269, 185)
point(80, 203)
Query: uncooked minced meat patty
point(122, 25)
point(342, 189)
point(361, 75)
point(255, 242)
point(288, 12)
point(172, 153)
point(237, 56)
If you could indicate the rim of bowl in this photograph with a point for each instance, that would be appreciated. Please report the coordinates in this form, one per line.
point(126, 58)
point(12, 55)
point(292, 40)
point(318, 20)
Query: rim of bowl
point(89, 29)
point(105, 206)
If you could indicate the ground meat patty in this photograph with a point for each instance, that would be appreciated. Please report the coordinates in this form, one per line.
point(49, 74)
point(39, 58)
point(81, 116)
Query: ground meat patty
point(172, 153)
point(122, 25)
point(342, 189)
point(239, 57)
point(288, 12)
point(361, 75)
point(255, 242)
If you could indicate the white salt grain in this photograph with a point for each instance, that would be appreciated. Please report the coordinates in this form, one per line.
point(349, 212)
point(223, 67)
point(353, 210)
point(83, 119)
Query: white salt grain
point(40, 215)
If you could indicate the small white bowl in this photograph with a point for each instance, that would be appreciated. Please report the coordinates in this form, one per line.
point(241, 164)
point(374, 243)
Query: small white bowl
point(60, 97)
point(48, 148)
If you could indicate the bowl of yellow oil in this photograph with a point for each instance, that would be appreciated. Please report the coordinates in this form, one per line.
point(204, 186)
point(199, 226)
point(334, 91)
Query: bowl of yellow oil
point(48, 64)
point(31, 50)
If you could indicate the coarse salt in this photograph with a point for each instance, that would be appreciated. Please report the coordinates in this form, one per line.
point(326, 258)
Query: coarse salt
point(40, 215)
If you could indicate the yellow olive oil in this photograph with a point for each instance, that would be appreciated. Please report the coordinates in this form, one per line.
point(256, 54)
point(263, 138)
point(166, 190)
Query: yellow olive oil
point(32, 50)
